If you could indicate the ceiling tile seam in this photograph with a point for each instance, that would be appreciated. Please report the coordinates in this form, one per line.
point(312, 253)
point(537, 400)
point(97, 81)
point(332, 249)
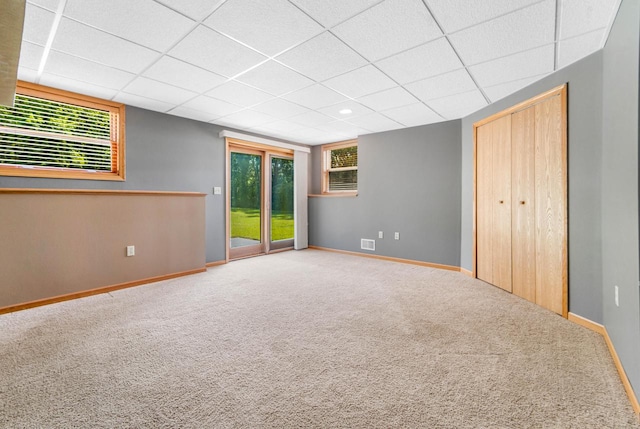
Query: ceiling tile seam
point(612, 18)
point(52, 35)
point(93, 62)
point(509, 55)
point(490, 19)
point(187, 16)
point(556, 37)
point(195, 25)
point(583, 34)
point(340, 22)
point(81, 80)
point(536, 77)
point(475, 82)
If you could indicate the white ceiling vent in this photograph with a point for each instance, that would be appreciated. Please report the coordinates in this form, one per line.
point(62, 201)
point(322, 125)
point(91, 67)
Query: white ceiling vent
point(366, 244)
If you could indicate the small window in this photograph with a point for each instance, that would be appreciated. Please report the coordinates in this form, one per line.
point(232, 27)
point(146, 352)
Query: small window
point(57, 134)
point(340, 167)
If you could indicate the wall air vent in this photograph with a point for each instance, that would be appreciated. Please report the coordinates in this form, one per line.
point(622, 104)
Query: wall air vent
point(366, 244)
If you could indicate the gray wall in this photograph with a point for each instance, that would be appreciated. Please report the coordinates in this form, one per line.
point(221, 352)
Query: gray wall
point(584, 154)
point(409, 182)
point(164, 153)
point(620, 188)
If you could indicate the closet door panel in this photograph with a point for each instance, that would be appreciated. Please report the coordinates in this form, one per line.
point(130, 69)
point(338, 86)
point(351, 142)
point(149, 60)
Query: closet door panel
point(522, 204)
point(484, 202)
point(550, 205)
point(502, 203)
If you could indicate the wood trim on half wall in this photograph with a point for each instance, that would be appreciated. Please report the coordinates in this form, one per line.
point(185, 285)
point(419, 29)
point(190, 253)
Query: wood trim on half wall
point(97, 291)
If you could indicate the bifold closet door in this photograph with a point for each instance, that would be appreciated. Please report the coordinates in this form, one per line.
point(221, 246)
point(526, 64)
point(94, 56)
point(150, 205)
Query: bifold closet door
point(523, 203)
point(550, 205)
point(493, 143)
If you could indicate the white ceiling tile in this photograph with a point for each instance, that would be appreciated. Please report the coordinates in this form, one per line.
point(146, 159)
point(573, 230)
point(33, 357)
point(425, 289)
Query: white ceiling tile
point(363, 81)
point(71, 67)
point(274, 78)
point(86, 42)
point(150, 88)
point(413, 115)
point(268, 26)
point(195, 9)
point(142, 102)
point(281, 127)
point(332, 12)
point(527, 28)
point(28, 75)
point(571, 50)
point(459, 105)
point(145, 22)
point(518, 66)
point(350, 131)
point(37, 24)
point(77, 86)
point(497, 92)
point(455, 15)
point(218, 54)
point(312, 136)
point(442, 86)
point(315, 97)
point(388, 99)
point(322, 57)
point(240, 94)
point(248, 119)
point(187, 76)
point(388, 28)
point(582, 16)
point(30, 55)
point(212, 106)
point(311, 119)
point(280, 108)
point(196, 115)
point(356, 108)
point(422, 62)
point(376, 123)
point(47, 4)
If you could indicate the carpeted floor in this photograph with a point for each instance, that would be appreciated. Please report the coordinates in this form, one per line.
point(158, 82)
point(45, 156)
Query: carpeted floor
point(306, 339)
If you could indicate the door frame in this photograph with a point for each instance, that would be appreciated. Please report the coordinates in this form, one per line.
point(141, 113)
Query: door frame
point(265, 151)
point(561, 91)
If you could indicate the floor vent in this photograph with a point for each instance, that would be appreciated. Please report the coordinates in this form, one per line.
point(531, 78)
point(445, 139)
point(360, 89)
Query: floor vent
point(367, 244)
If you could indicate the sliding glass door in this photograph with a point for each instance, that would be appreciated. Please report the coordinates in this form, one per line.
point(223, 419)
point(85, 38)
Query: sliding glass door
point(281, 220)
point(260, 204)
point(246, 208)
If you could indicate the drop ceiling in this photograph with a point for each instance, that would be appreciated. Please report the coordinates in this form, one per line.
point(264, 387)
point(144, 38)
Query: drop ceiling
point(287, 68)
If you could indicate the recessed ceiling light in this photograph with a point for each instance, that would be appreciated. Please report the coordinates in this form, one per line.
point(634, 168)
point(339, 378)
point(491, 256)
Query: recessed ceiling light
point(346, 112)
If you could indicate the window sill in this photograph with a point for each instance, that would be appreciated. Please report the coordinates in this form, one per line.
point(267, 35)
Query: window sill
point(336, 195)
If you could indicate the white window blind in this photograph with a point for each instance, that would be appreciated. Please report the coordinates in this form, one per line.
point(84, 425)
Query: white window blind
point(41, 133)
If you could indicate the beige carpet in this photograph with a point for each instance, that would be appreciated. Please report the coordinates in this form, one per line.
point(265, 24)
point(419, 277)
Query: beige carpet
point(306, 339)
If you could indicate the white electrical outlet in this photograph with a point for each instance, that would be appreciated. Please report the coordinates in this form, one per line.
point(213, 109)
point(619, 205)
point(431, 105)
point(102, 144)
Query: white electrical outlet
point(615, 291)
point(397, 236)
point(131, 250)
point(217, 190)
point(380, 234)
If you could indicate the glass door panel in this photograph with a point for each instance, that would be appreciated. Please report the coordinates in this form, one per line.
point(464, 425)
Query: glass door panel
point(246, 205)
point(282, 226)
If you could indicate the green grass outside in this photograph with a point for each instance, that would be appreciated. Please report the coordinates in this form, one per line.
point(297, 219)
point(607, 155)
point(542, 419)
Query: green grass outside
point(245, 223)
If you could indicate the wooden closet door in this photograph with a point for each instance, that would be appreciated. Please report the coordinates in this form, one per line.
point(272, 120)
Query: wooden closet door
point(550, 205)
point(523, 203)
point(484, 203)
point(502, 203)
